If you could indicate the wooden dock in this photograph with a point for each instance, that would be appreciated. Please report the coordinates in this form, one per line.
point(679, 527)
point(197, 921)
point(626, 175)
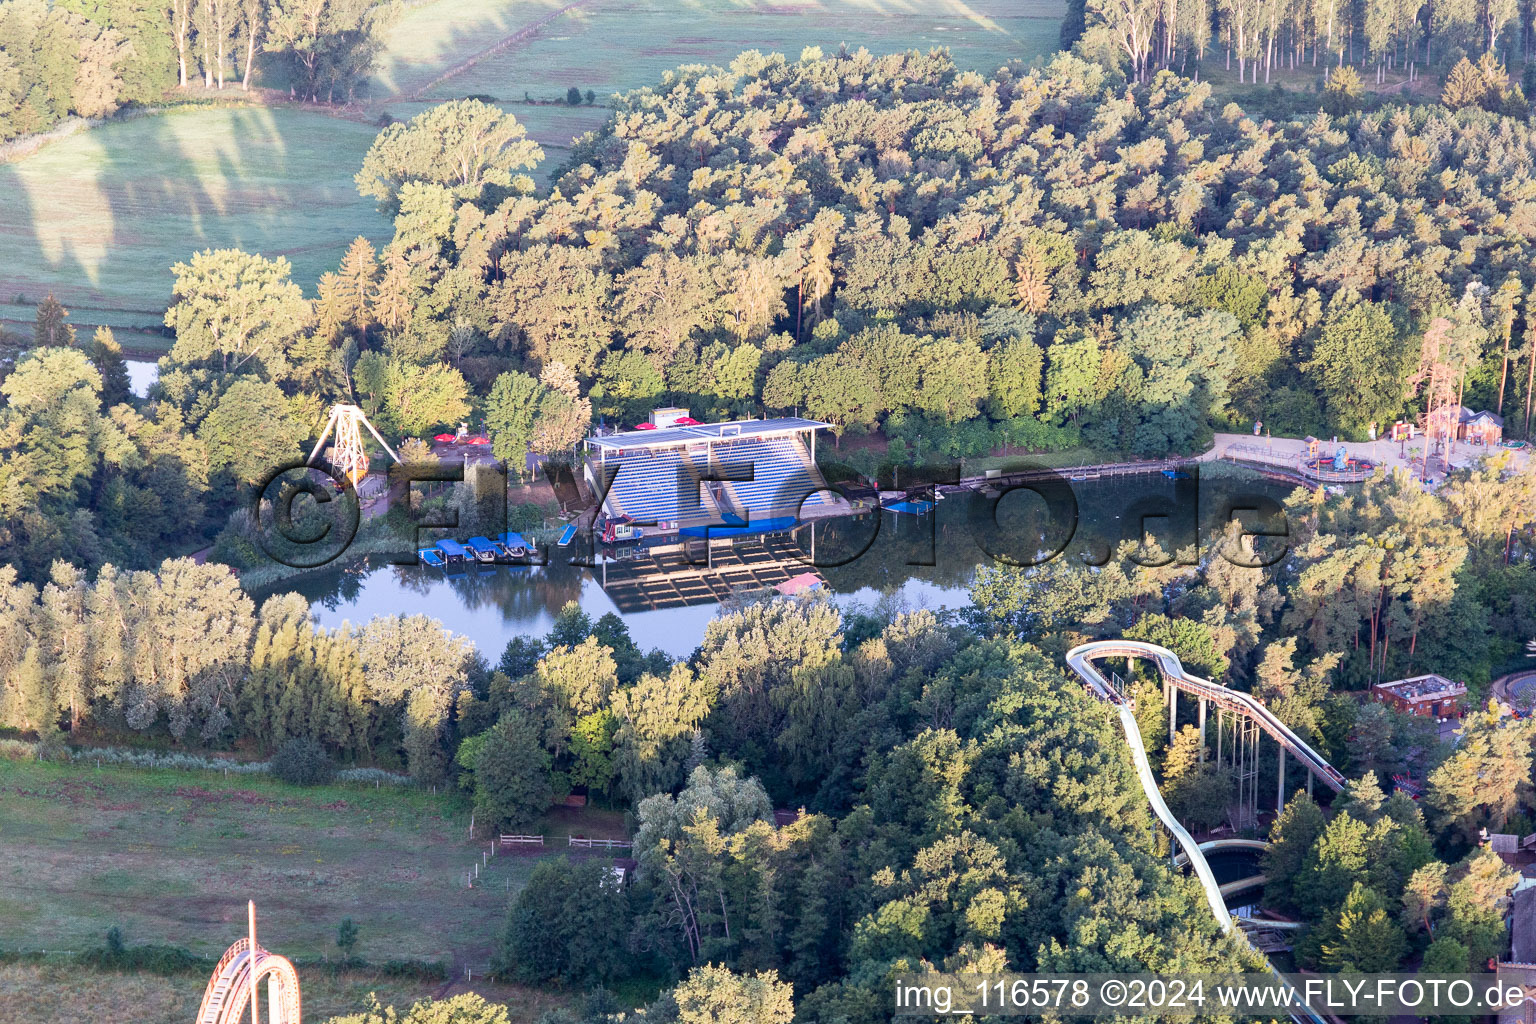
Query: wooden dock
point(1140, 467)
point(1293, 465)
point(668, 577)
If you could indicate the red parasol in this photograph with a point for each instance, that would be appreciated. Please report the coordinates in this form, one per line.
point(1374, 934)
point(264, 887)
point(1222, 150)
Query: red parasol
point(645, 426)
point(478, 440)
point(445, 438)
point(686, 421)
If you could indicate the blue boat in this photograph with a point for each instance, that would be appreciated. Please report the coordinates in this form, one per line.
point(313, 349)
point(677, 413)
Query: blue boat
point(512, 544)
point(453, 551)
point(430, 556)
point(483, 548)
point(567, 535)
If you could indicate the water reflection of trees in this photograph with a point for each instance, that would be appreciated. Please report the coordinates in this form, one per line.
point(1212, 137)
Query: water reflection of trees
point(959, 533)
point(940, 549)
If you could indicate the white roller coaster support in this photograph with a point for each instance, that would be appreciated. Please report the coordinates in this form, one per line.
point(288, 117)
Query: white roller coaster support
point(1080, 659)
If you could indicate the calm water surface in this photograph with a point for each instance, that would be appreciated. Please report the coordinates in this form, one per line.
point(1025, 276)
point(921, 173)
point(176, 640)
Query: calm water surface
point(907, 562)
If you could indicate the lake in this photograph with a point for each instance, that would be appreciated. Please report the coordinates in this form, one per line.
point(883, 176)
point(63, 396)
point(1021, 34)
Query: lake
point(907, 561)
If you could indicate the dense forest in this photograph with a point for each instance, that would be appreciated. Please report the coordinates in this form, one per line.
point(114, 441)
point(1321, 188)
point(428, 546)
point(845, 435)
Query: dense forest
point(957, 263)
point(1250, 35)
point(1081, 254)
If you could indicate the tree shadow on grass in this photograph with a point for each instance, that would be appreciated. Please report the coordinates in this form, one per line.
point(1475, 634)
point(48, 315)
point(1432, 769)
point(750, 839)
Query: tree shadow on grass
point(99, 218)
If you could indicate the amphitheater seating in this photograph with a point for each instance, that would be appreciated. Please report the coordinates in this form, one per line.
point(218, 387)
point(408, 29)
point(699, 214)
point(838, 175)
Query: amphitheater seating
point(646, 488)
point(781, 476)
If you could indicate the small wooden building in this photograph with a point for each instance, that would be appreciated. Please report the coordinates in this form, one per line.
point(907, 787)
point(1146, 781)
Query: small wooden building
point(1459, 423)
point(1482, 427)
point(1427, 696)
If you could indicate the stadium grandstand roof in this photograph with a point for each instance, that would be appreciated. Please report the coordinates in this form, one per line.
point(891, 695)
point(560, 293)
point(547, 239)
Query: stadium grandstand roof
point(710, 433)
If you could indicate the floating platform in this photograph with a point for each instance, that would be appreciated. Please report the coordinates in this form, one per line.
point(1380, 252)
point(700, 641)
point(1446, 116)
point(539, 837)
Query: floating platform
point(916, 508)
point(567, 535)
point(675, 577)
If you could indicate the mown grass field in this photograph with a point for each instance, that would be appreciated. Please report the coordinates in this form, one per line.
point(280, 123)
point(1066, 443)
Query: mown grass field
point(51, 993)
point(432, 37)
point(615, 45)
point(99, 217)
point(171, 856)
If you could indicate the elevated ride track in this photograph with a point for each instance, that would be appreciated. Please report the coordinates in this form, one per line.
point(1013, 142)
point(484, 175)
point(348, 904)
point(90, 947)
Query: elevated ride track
point(1081, 660)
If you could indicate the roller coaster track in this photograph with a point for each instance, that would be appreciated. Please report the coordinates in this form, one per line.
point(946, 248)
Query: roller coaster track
point(1081, 660)
point(227, 998)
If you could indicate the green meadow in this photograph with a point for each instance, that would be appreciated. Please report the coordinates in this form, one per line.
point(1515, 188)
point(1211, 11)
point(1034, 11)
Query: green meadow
point(611, 46)
point(99, 218)
point(171, 857)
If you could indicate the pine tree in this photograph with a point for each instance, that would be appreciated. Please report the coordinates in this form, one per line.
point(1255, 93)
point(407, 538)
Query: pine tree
point(1337, 861)
point(1365, 939)
point(1195, 792)
point(1344, 90)
point(391, 305)
point(52, 327)
point(356, 286)
point(1487, 775)
point(1151, 716)
point(1363, 799)
point(1423, 894)
point(1291, 839)
point(107, 356)
point(1465, 86)
point(1033, 288)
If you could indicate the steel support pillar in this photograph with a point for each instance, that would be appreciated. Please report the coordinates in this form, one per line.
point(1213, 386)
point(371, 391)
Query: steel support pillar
point(1280, 780)
point(1173, 712)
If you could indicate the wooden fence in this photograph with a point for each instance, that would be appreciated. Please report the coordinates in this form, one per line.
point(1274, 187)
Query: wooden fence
point(577, 841)
point(600, 844)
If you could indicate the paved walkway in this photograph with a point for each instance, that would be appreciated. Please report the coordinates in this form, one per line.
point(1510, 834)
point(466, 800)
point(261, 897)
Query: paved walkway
point(1383, 452)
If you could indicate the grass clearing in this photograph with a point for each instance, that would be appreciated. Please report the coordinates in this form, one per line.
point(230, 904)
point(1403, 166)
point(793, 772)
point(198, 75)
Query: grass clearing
point(171, 857)
point(49, 993)
point(99, 218)
point(436, 36)
point(615, 45)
